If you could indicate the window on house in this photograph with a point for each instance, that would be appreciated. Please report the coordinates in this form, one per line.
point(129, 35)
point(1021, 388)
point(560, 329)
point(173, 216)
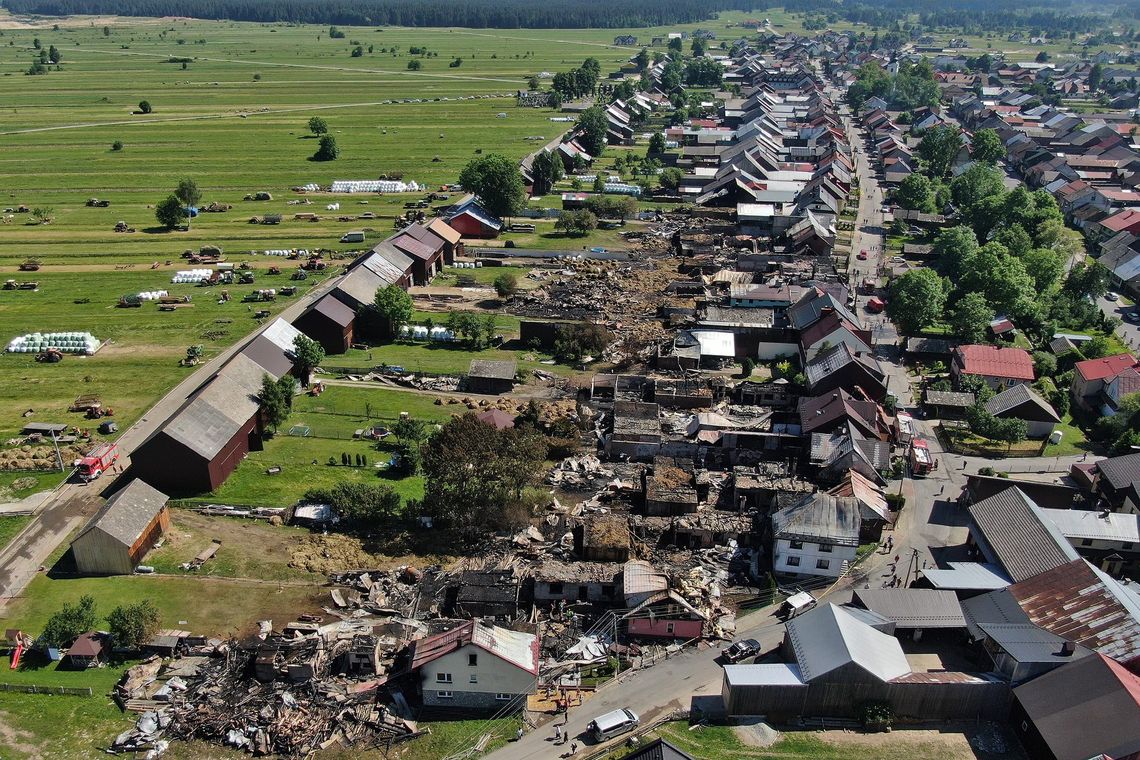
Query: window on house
point(797, 544)
point(443, 678)
point(1086, 542)
point(793, 561)
point(444, 695)
point(822, 564)
point(556, 588)
point(473, 678)
point(1126, 545)
point(669, 627)
point(825, 548)
point(502, 696)
point(472, 660)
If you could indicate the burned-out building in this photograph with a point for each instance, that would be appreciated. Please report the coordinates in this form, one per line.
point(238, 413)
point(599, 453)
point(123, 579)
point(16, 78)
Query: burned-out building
point(603, 538)
point(487, 593)
point(636, 431)
point(670, 489)
point(559, 581)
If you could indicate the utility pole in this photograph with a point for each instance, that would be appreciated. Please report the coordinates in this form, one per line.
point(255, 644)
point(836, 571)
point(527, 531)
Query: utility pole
point(58, 457)
point(911, 566)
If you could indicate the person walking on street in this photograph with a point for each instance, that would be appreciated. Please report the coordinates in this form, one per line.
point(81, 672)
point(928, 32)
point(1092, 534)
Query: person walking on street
point(558, 734)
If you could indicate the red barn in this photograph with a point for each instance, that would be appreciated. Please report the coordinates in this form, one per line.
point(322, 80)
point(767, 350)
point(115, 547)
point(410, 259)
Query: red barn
point(471, 220)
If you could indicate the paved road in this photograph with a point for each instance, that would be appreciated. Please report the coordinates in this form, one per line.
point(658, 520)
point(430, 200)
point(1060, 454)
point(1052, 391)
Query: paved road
point(74, 502)
point(651, 693)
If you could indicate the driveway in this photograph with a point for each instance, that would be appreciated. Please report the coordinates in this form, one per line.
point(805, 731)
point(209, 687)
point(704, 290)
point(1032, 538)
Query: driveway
point(1129, 332)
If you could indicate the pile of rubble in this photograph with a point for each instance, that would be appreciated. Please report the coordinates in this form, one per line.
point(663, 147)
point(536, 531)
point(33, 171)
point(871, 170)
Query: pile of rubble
point(303, 689)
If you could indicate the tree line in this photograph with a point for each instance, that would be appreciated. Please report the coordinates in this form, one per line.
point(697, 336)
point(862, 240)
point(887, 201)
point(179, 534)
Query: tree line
point(503, 14)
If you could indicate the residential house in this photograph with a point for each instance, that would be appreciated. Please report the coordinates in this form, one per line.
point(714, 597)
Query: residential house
point(874, 512)
point(1021, 651)
point(1091, 376)
point(1117, 389)
point(476, 667)
point(832, 330)
point(120, 534)
point(817, 536)
point(832, 411)
point(665, 615)
point(1088, 708)
point(839, 367)
point(1021, 402)
point(1110, 540)
point(1115, 481)
point(997, 367)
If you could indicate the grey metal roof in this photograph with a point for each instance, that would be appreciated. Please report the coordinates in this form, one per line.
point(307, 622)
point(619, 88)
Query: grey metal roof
point(830, 361)
point(1026, 642)
point(1096, 525)
point(1084, 709)
point(211, 417)
point(1017, 395)
point(490, 368)
point(811, 307)
point(267, 355)
point(820, 517)
point(1020, 538)
point(1120, 471)
point(998, 606)
point(967, 576)
point(335, 310)
point(764, 674)
point(830, 637)
point(914, 607)
point(127, 513)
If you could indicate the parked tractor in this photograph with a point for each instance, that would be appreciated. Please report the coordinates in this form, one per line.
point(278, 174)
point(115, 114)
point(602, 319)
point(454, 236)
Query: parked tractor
point(193, 357)
point(30, 265)
point(96, 203)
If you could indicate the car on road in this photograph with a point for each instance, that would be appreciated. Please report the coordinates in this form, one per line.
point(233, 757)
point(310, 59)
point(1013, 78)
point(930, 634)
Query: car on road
point(598, 249)
point(741, 650)
point(1132, 316)
point(862, 255)
point(898, 260)
point(886, 209)
point(613, 724)
point(1112, 296)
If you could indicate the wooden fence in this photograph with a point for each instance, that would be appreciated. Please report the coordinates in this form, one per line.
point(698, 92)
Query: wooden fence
point(31, 688)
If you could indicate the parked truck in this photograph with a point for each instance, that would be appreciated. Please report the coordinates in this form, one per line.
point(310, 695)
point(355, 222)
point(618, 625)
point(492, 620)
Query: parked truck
point(98, 460)
point(922, 463)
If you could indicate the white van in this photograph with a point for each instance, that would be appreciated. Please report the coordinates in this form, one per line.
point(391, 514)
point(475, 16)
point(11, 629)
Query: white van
point(352, 237)
point(613, 724)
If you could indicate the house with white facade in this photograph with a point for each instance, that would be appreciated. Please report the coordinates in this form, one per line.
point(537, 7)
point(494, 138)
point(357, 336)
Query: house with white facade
point(476, 667)
point(818, 536)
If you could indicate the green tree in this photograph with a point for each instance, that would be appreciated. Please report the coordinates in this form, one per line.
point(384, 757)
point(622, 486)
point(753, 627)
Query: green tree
point(592, 126)
point(318, 126)
point(656, 144)
point(307, 356)
point(327, 149)
point(1045, 266)
point(577, 222)
point(917, 300)
point(987, 146)
point(410, 436)
point(415, 65)
point(938, 148)
point(472, 470)
point(1087, 281)
point(496, 180)
point(670, 178)
point(274, 410)
point(675, 45)
point(361, 507)
point(54, 55)
point(599, 185)
point(974, 185)
point(69, 623)
point(506, 285)
point(1044, 364)
point(132, 625)
point(642, 59)
point(188, 195)
point(169, 212)
point(545, 169)
point(395, 305)
point(970, 317)
point(117, 145)
point(703, 72)
point(916, 192)
point(145, 107)
point(1096, 77)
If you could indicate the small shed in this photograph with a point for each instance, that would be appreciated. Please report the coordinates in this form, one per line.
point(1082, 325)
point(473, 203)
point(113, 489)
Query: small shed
point(120, 534)
point(491, 376)
point(947, 404)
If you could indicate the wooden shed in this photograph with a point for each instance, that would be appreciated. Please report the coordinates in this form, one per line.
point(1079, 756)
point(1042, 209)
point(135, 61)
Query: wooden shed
point(120, 534)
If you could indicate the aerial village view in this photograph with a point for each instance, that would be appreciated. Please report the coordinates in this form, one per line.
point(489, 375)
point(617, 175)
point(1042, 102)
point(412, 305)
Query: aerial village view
point(413, 380)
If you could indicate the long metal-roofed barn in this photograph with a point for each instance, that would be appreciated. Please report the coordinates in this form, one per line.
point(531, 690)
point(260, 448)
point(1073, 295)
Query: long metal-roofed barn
point(198, 447)
point(120, 534)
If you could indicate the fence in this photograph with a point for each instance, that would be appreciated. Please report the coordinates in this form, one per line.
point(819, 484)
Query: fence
point(31, 688)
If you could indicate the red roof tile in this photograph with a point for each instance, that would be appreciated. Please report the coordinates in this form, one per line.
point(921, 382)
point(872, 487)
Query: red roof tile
point(1109, 366)
point(991, 361)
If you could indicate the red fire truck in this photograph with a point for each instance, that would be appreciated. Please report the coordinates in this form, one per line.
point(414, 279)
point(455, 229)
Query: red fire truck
point(921, 460)
point(98, 461)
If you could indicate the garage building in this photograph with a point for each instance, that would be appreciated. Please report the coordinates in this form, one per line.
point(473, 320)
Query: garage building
point(120, 534)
